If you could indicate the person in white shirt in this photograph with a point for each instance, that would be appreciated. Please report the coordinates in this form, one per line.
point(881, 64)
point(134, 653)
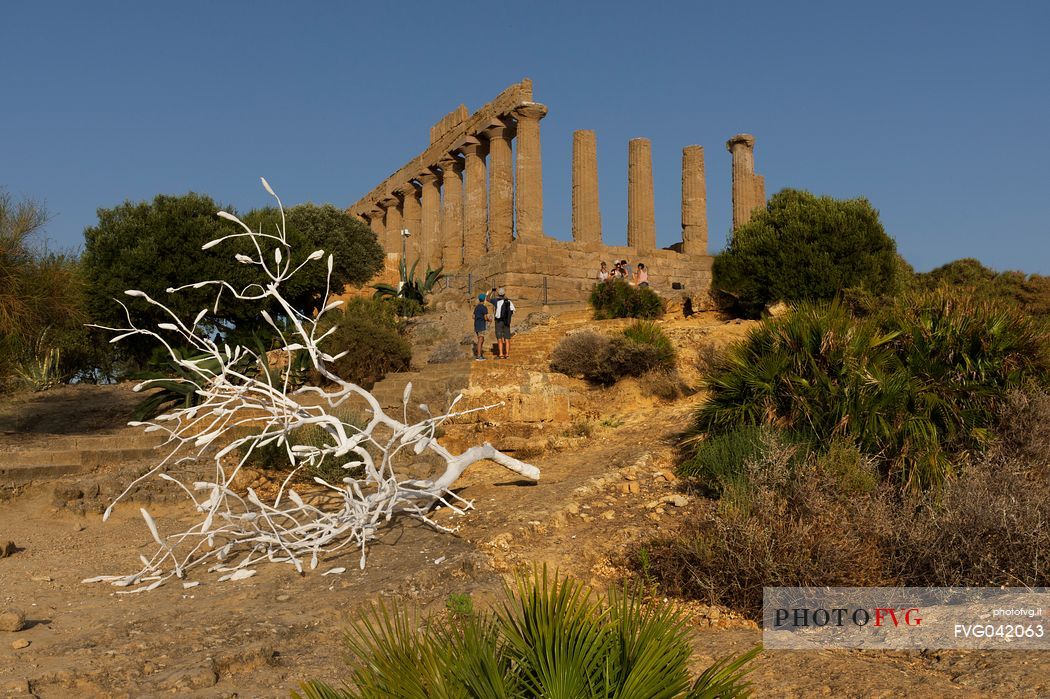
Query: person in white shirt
point(603, 273)
point(504, 310)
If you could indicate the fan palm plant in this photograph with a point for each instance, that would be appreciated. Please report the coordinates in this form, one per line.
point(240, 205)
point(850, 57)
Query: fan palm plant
point(552, 637)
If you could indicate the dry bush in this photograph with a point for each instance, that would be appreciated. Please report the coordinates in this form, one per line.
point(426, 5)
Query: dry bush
point(829, 520)
point(708, 358)
point(606, 360)
point(782, 530)
point(1024, 429)
point(665, 384)
point(578, 353)
point(989, 527)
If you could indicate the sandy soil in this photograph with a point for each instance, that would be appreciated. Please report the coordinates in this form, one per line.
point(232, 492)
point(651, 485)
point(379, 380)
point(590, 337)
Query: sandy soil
point(260, 637)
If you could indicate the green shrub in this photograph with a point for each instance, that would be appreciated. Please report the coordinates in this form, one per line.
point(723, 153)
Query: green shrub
point(618, 299)
point(718, 462)
point(1029, 291)
point(459, 605)
point(646, 332)
point(151, 246)
point(964, 354)
point(275, 457)
point(406, 307)
point(606, 360)
point(550, 638)
point(807, 248)
point(43, 340)
point(917, 384)
point(367, 331)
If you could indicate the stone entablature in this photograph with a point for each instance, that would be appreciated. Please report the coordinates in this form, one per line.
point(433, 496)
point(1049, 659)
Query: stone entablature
point(485, 118)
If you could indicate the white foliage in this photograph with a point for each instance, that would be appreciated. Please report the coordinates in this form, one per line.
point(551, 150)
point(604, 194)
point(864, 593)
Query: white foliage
point(237, 532)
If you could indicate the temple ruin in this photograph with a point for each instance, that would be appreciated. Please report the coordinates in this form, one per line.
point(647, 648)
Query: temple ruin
point(472, 203)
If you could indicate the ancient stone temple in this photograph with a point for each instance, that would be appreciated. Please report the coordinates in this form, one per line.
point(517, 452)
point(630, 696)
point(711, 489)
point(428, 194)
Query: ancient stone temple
point(472, 202)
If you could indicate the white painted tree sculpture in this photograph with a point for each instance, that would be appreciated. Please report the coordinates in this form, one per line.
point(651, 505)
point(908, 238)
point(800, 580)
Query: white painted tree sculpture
point(236, 392)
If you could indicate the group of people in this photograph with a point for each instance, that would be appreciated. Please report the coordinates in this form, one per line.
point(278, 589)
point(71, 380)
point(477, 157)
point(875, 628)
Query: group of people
point(622, 270)
point(503, 307)
point(502, 310)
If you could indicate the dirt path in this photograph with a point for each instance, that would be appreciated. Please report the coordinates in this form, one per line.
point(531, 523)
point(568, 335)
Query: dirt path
point(262, 636)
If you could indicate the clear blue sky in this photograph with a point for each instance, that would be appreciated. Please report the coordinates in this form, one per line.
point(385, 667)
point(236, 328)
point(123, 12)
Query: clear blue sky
point(939, 113)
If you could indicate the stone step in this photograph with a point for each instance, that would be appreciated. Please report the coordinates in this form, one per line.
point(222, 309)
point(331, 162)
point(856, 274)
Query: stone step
point(67, 454)
point(18, 475)
point(86, 457)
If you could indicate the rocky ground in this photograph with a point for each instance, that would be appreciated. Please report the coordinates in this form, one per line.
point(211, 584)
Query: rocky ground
point(603, 489)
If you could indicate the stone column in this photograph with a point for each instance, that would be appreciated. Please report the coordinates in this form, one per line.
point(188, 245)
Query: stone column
point(474, 210)
point(501, 187)
point(694, 201)
point(392, 224)
point(586, 215)
point(528, 172)
point(411, 219)
point(451, 212)
point(430, 230)
point(641, 216)
point(748, 188)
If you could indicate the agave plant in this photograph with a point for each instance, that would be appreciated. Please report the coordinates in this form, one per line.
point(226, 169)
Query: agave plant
point(39, 369)
point(411, 287)
point(552, 637)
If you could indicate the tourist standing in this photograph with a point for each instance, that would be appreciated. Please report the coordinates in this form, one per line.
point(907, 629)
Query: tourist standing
point(603, 273)
point(481, 316)
point(504, 311)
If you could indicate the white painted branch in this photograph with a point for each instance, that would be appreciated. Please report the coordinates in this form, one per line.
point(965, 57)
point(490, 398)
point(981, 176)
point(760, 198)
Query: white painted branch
point(288, 531)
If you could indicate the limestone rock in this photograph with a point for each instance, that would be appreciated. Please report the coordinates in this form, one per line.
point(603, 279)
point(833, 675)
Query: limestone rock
point(20, 644)
point(14, 687)
point(12, 619)
point(8, 548)
point(198, 677)
point(777, 310)
point(539, 318)
point(631, 486)
point(66, 493)
point(448, 351)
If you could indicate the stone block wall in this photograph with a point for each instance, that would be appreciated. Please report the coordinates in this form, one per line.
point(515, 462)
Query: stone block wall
point(571, 270)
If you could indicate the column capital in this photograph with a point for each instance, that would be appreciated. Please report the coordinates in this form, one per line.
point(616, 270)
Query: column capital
point(745, 139)
point(405, 190)
point(450, 162)
point(473, 147)
point(500, 131)
point(529, 110)
point(426, 177)
point(388, 201)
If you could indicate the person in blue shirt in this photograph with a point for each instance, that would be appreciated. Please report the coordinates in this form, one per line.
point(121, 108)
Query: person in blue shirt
point(481, 317)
